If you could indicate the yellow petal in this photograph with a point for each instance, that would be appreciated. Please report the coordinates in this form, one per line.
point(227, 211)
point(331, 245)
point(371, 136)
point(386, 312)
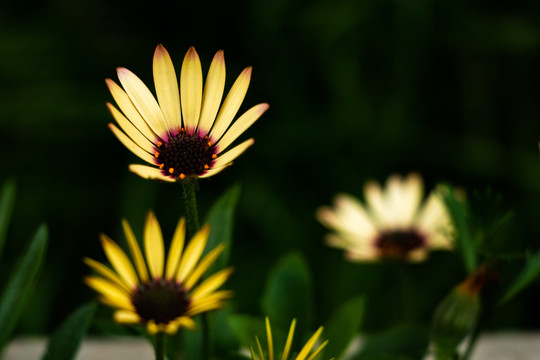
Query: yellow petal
point(175, 252)
point(148, 172)
point(215, 170)
point(289, 341)
point(152, 328)
point(269, 339)
point(167, 87)
point(153, 246)
point(192, 253)
point(120, 262)
point(316, 352)
point(203, 266)
point(130, 130)
point(129, 110)
point(126, 317)
point(143, 100)
point(114, 294)
point(212, 283)
point(187, 322)
point(191, 85)
point(232, 154)
point(131, 145)
point(213, 92)
point(309, 345)
point(107, 273)
point(241, 125)
point(135, 251)
point(231, 104)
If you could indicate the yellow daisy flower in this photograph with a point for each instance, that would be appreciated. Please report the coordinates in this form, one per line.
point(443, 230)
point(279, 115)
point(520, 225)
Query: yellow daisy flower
point(162, 296)
point(310, 347)
point(393, 225)
point(184, 133)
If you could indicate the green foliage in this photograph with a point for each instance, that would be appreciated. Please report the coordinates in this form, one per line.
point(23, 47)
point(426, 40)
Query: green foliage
point(342, 326)
point(21, 284)
point(288, 293)
point(221, 217)
point(465, 240)
point(7, 201)
point(524, 278)
point(64, 343)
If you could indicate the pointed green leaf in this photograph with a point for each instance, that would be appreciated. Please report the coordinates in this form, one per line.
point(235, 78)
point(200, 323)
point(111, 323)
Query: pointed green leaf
point(342, 326)
point(221, 217)
point(287, 294)
point(64, 343)
point(7, 200)
point(465, 241)
point(21, 284)
point(396, 343)
point(525, 277)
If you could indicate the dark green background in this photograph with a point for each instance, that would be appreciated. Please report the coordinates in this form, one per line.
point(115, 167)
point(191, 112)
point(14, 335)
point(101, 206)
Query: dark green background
point(358, 90)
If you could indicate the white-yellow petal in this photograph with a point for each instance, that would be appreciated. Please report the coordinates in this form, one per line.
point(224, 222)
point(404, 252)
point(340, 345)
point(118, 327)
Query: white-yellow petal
point(131, 145)
point(213, 92)
point(126, 106)
point(191, 85)
point(130, 130)
point(135, 251)
point(144, 101)
point(153, 246)
point(192, 254)
point(177, 247)
point(167, 88)
point(232, 103)
point(232, 154)
point(241, 125)
point(148, 172)
point(215, 170)
point(120, 262)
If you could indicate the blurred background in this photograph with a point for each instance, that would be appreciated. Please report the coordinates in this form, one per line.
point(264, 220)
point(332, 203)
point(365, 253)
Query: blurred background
point(358, 90)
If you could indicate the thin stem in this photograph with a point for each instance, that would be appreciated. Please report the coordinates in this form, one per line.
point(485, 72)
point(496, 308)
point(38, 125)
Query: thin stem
point(159, 347)
point(190, 186)
point(472, 342)
point(206, 351)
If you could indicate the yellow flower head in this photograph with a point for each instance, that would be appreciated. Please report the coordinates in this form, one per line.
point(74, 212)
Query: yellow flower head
point(163, 296)
point(308, 352)
point(393, 225)
point(184, 132)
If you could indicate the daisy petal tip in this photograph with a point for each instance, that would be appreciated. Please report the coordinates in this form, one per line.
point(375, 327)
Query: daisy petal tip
point(247, 71)
point(192, 53)
point(160, 51)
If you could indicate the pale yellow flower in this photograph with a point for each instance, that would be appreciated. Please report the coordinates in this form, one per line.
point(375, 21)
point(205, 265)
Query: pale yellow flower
point(309, 352)
point(394, 223)
point(185, 132)
point(163, 296)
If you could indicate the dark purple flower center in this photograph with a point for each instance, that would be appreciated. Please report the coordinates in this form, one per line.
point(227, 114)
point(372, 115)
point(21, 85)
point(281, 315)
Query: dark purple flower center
point(397, 244)
point(185, 155)
point(161, 301)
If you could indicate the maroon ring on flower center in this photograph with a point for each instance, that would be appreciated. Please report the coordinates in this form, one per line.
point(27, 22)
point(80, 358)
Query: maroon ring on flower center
point(185, 154)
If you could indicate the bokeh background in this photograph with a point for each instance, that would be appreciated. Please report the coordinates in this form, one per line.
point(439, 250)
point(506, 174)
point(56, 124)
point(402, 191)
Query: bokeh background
point(358, 90)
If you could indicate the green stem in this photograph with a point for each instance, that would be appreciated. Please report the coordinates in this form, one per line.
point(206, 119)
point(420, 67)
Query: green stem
point(472, 342)
point(190, 186)
point(206, 337)
point(159, 347)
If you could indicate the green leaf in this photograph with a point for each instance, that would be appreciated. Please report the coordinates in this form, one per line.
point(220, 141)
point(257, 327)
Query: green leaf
point(21, 284)
point(246, 327)
point(466, 243)
point(287, 294)
point(7, 200)
point(529, 272)
point(65, 341)
point(221, 217)
point(342, 326)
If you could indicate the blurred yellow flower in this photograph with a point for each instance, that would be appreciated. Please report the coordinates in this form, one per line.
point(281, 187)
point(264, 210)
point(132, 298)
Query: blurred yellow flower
point(162, 296)
point(310, 347)
point(181, 134)
point(393, 225)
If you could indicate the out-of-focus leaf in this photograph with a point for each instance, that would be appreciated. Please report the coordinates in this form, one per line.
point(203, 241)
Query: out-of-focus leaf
point(397, 343)
point(221, 217)
point(342, 326)
point(64, 343)
point(21, 284)
point(186, 344)
point(222, 336)
point(465, 241)
point(529, 272)
point(287, 294)
point(7, 200)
